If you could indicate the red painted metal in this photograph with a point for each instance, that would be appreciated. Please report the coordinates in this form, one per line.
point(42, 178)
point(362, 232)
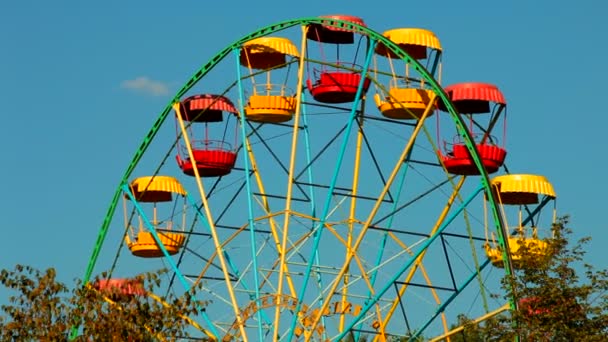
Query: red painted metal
point(209, 162)
point(334, 35)
point(459, 162)
point(212, 158)
point(473, 97)
point(337, 86)
point(206, 108)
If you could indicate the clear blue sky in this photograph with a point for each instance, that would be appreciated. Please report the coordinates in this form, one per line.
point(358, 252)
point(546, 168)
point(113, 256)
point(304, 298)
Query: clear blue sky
point(70, 126)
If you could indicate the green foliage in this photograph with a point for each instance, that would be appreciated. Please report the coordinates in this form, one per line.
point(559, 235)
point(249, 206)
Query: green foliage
point(555, 302)
point(39, 311)
point(43, 309)
point(493, 329)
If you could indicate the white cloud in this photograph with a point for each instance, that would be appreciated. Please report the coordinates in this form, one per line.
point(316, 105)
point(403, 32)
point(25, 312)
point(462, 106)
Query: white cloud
point(146, 85)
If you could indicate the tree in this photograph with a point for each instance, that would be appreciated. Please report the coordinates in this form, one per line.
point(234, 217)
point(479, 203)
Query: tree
point(44, 309)
point(555, 302)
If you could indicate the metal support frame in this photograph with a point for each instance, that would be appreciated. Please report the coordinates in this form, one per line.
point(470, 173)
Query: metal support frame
point(374, 37)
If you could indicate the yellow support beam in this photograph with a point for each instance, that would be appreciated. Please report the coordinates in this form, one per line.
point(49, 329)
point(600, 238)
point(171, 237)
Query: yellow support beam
point(352, 212)
point(292, 164)
point(266, 207)
point(475, 321)
point(209, 217)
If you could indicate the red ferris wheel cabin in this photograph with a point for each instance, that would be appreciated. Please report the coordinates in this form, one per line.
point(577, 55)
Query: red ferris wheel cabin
point(471, 100)
point(120, 288)
point(213, 155)
point(335, 83)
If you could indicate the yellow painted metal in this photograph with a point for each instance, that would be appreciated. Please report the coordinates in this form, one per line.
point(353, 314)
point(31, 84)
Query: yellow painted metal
point(425, 275)
point(293, 244)
point(186, 318)
point(418, 262)
point(351, 222)
point(534, 246)
point(269, 102)
point(380, 326)
point(211, 224)
point(242, 228)
point(446, 336)
point(404, 103)
point(156, 188)
point(290, 179)
point(145, 246)
point(375, 209)
point(353, 208)
point(270, 108)
point(409, 36)
point(267, 52)
point(266, 207)
point(521, 188)
point(287, 250)
point(357, 259)
point(159, 335)
point(330, 228)
point(165, 304)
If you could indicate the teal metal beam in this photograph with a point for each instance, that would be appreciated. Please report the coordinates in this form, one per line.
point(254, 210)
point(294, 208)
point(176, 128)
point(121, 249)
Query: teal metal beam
point(407, 265)
point(168, 257)
point(250, 218)
point(442, 306)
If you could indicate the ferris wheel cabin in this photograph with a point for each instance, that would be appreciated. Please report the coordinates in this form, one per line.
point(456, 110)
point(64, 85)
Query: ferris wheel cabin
point(473, 100)
point(532, 306)
point(118, 289)
point(270, 102)
point(335, 81)
point(407, 98)
point(213, 155)
point(152, 191)
point(520, 190)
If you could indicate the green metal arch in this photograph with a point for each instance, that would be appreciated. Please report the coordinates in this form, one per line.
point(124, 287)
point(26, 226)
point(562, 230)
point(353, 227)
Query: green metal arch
point(202, 71)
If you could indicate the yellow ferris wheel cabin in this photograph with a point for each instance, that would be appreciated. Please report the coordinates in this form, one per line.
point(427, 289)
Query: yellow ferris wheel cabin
point(269, 102)
point(520, 190)
point(151, 191)
point(407, 99)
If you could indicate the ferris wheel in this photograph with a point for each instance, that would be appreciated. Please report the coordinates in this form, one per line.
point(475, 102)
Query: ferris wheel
point(305, 211)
